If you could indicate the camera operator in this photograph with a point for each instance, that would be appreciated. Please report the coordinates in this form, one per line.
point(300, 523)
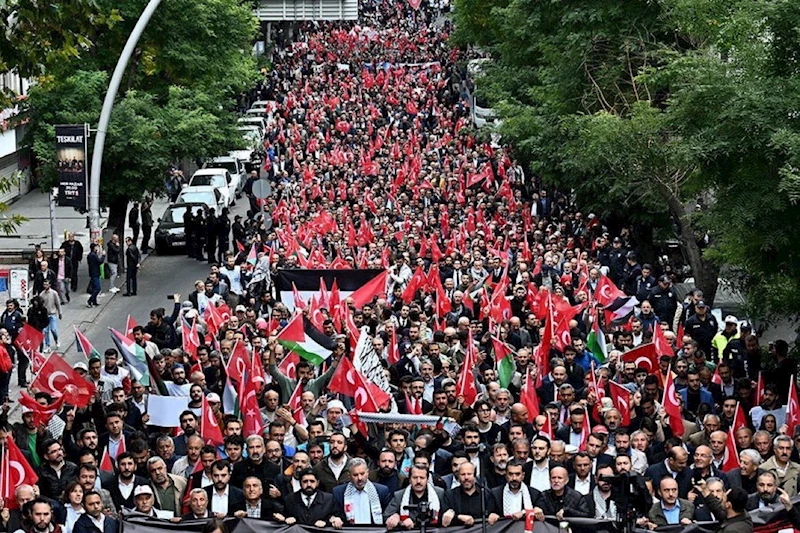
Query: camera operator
point(418, 500)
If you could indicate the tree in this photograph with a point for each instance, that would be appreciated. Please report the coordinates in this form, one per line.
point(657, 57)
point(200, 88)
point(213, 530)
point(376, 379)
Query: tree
point(650, 108)
point(176, 102)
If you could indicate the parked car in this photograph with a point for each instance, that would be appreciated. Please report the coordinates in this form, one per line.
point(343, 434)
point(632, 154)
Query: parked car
point(257, 121)
point(170, 232)
point(252, 160)
point(207, 195)
point(215, 177)
point(235, 168)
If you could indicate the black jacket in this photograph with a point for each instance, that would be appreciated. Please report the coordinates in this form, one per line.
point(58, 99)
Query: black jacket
point(322, 508)
point(132, 256)
point(84, 524)
point(572, 502)
point(120, 502)
point(267, 471)
point(50, 484)
point(94, 261)
point(235, 499)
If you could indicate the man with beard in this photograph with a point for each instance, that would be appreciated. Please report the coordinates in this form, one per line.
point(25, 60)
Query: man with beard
point(770, 405)
point(203, 479)
point(94, 519)
point(55, 472)
point(305, 374)
point(573, 433)
point(288, 482)
point(87, 479)
point(463, 503)
point(441, 408)
point(188, 421)
point(309, 507)
point(256, 464)
point(766, 492)
point(622, 446)
point(496, 475)
point(419, 490)
point(179, 386)
point(514, 498)
point(519, 416)
point(274, 454)
point(562, 501)
point(126, 481)
point(334, 470)
point(256, 506)
point(581, 479)
point(386, 474)
point(360, 501)
point(224, 499)
point(40, 512)
point(551, 384)
point(165, 448)
point(601, 503)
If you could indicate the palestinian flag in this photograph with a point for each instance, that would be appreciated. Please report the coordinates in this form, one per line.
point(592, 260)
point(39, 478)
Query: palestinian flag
point(596, 342)
point(84, 346)
point(303, 338)
point(504, 360)
point(618, 307)
point(134, 357)
point(304, 284)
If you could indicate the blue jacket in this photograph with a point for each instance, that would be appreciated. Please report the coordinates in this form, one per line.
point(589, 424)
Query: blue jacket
point(705, 396)
point(585, 360)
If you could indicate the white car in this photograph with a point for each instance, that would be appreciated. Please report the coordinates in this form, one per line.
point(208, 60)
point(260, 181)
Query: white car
point(214, 177)
point(235, 168)
point(264, 104)
point(259, 122)
point(203, 194)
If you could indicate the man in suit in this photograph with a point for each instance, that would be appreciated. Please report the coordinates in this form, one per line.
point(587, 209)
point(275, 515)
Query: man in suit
point(573, 433)
point(514, 497)
point(462, 503)
point(290, 483)
point(309, 507)
point(581, 479)
point(418, 491)
point(115, 437)
point(94, 519)
point(255, 505)
point(224, 499)
point(360, 501)
point(122, 486)
point(188, 422)
point(670, 509)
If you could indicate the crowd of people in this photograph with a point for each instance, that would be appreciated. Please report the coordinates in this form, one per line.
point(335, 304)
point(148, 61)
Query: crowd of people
point(374, 164)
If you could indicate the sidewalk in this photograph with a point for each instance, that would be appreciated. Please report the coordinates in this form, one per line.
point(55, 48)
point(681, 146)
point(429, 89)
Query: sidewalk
point(36, 230)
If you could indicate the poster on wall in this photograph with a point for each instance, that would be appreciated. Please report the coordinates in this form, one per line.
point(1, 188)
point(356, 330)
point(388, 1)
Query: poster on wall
point(71, 166)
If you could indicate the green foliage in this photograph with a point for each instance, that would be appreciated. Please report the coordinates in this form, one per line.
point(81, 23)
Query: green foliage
point(646, 107)
point(176, 100)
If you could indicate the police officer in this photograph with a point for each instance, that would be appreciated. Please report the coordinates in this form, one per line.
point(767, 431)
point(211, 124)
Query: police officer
point(223, 234)
point(211, 237)
point(189, 230)
point(664, 300)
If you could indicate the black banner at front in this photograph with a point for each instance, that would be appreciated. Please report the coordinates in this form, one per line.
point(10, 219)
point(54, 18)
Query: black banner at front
point(71, 165)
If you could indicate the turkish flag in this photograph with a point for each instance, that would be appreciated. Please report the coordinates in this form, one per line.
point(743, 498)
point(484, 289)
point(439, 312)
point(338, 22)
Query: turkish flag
point(29, 339)
point(210, 431)
point(258, 371)
point(739, 420)
point(288, 366)
point(106, 464)
point(731, 458)
point(662, 344)
point(672, 406)
point(759, 388)
point(296, 404)
point(606, 292)
point(14, 471)
point(58, 378)
point(190, 338)
point(239, 363)
point(392, 350)
point(528, 396)
point(41, 413)
point(465, 387)
point(252, 423)
point(792, 408)
point(621, 397)
point(350, 382)
point(644, 355)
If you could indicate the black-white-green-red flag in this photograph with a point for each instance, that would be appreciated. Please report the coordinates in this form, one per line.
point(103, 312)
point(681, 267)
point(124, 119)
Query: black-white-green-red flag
point(303, 338)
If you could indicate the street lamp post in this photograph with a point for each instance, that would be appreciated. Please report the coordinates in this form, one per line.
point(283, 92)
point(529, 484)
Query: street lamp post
point(105, 116)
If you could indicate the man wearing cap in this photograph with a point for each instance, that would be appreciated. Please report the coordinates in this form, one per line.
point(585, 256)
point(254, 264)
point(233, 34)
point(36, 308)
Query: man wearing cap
point(143, 500)
point(664, 300)
point(721, 339)
point(702, 326)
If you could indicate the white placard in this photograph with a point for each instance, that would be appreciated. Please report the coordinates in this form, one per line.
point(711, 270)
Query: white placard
point(165, 411)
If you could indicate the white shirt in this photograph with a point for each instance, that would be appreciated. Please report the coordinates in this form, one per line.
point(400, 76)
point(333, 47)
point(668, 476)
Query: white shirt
point(540, 477)
point(177, 390)
point(205, 481)
point(113, 445)
point(584, 487)
point(337, 469)
point(308, 500)
point(219, 502)
point(142, 406)
point(477, 462)
point(98, 522)
point(125, 490)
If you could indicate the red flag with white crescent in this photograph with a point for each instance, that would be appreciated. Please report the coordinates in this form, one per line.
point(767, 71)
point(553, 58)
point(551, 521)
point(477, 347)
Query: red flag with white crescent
point(14, 471)
point(731, 458)
point(759, 388)
point(672, 406)
point(210, 431)
point(528, 397)
point(288, 366)
point(792, 408)
point(621, 397)
point(252, 423)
